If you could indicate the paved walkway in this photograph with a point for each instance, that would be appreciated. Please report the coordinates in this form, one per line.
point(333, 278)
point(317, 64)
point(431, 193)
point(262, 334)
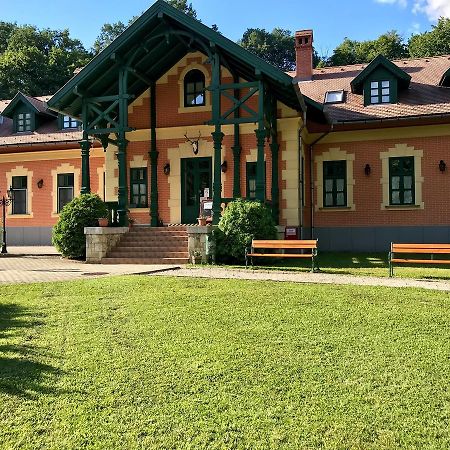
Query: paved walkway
point(306, 277)
point(32, 250)
point(32, 269)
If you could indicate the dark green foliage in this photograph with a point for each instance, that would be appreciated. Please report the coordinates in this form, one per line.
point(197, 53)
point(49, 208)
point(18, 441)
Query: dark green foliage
point(37, 62)
point(389, 44)
point(68, 233)
point(241, 222)
point(432, 43)
point(183, 6)
point(109, 32)
point(276, 48)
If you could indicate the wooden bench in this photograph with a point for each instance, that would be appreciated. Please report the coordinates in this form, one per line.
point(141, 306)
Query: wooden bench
point(282, 245)
point(419, 249)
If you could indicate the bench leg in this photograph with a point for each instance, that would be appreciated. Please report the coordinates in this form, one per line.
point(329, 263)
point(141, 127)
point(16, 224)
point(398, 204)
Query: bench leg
point(246, 259)
point(391, 266)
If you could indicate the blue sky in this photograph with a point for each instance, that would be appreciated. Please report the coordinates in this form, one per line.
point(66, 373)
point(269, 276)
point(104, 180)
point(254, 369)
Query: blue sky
point(332, 20)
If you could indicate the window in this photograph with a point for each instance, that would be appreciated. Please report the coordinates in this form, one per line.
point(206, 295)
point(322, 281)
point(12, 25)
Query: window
point(194, 88)
point(380, 92)
point(138, 188)
point(23, 122)
point(334, 184)
point(251, 180)
point(401, 181)
point(334, 97)
point(68, 122)
point(19, 204)
point(65, 189)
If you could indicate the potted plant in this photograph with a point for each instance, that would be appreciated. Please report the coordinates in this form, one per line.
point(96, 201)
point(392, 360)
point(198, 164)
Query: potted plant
point(202, 220)
point(196, 257)
point(103, 221)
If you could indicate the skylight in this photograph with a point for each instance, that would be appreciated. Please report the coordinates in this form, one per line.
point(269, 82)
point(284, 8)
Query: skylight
point(334, 97)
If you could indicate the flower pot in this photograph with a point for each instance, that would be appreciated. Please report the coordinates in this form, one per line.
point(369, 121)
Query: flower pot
point(202, 221)
point(103, 222)
point(196, 259)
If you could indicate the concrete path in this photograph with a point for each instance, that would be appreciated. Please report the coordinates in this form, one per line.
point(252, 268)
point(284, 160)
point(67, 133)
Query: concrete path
point(32, 250)
point(320, 278)
point(32, 269)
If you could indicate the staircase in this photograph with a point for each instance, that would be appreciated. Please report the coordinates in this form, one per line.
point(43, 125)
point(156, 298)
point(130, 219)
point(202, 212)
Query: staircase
point(145, 245)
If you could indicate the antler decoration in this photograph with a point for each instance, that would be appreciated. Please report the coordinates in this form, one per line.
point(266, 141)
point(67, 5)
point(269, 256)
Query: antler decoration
point(194, 142)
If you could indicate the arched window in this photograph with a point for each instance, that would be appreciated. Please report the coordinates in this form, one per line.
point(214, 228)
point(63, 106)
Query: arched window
point(194, 88)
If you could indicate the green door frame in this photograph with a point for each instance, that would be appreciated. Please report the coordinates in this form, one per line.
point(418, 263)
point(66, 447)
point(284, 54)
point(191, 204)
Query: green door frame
point(188, 216)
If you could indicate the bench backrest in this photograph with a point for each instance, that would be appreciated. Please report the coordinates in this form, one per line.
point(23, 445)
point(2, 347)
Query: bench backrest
point(280, 244)
point(420, 248)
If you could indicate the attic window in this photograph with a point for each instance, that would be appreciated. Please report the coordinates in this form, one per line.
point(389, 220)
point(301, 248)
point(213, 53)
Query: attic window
point(334, 97)
point(68, 122)
point(380, 92)
point(23, 122)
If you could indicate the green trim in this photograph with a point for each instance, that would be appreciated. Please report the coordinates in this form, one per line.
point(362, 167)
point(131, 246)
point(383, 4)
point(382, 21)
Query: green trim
point(19, 98)
point(85, 167)
point(154, 213)
point(402, 77)
point(334, 172)
point(378, 76)
point(445, 80)
point(160, 20)
point(17, 118)
point(401, 167)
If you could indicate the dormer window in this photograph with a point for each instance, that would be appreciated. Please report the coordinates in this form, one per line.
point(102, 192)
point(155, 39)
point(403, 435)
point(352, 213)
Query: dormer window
point(380, 92)
point(334, 97)
point(194, 88)
point(24, 122)
point(69, 122)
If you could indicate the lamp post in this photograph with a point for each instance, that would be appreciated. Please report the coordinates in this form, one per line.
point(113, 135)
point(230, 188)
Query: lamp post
point(6, 201)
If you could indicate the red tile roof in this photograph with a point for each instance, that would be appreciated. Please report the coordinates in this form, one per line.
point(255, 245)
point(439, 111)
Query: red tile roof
point(49, 132)
point(424, 96)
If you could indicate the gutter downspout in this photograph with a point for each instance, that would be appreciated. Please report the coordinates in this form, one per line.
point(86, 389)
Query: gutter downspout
point(311, 173)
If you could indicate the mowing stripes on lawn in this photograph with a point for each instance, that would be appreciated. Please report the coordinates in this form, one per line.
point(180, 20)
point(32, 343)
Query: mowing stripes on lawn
point(140, 363)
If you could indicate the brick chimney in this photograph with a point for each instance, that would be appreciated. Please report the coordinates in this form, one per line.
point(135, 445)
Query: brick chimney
point(304, 54)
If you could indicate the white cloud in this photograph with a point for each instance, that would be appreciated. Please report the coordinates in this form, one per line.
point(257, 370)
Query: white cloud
point(432, 8)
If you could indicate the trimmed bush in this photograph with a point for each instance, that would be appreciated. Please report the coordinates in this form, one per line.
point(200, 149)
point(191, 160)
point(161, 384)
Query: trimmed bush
point(68, 233)
point(241, 222)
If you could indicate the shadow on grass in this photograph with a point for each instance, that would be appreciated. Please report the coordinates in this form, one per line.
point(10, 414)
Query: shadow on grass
point(20, 373)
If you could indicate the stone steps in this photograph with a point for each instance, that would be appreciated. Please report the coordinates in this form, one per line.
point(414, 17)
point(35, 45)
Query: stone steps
point(145, 245)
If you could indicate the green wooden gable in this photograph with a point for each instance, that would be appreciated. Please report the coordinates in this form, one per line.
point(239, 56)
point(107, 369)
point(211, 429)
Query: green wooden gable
point(380, 66)
point(151, 46)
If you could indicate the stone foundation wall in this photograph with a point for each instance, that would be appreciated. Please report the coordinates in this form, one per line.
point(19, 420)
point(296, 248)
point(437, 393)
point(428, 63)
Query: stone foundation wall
point(200, 242)
point(100, 240)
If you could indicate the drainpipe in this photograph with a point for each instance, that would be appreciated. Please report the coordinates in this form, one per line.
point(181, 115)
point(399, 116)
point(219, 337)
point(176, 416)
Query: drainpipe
point(311, 173)
point(302, 175)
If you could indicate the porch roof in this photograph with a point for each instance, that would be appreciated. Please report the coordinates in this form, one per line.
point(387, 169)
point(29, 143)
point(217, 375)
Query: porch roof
point(150, 50)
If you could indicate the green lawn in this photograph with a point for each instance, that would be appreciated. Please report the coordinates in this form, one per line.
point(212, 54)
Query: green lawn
point(364, 264)
point(163, 363)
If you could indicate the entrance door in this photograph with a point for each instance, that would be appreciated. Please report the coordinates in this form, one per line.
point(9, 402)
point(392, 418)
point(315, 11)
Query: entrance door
point(195, 178)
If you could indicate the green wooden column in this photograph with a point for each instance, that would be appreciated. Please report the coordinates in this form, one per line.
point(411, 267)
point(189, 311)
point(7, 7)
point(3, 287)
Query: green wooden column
point(153, 160)
point(122, 144)
point(217, 136)
point(85, 167)
point(260, 163)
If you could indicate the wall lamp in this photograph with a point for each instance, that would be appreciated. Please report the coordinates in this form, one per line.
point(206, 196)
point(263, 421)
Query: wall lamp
point(40, 183)
point(224, 167)
point(442, 166)
point(367, 169)
point(167, 169)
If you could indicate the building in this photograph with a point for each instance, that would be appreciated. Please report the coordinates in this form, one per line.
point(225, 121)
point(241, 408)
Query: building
point(354, 155)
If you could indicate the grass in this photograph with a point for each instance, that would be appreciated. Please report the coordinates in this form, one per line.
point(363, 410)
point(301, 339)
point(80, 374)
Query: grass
point(362, 264)
point(165, 363)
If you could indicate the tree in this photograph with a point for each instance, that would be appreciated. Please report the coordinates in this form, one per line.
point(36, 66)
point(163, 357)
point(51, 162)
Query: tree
point(389, 44)
point(108, 33)
point(431, 43)
point(37, 62)
point(276, 48)
point(183, 6)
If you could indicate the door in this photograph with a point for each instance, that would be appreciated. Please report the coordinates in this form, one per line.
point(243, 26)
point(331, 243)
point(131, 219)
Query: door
point(196, 176)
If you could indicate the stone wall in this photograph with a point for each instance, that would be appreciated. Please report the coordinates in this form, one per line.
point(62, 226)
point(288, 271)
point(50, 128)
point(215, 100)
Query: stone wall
point(100, 240)
point(200, 242)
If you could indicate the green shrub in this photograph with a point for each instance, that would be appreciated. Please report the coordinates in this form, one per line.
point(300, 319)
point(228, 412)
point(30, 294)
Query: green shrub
point(241, 222)
point(68, 233)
